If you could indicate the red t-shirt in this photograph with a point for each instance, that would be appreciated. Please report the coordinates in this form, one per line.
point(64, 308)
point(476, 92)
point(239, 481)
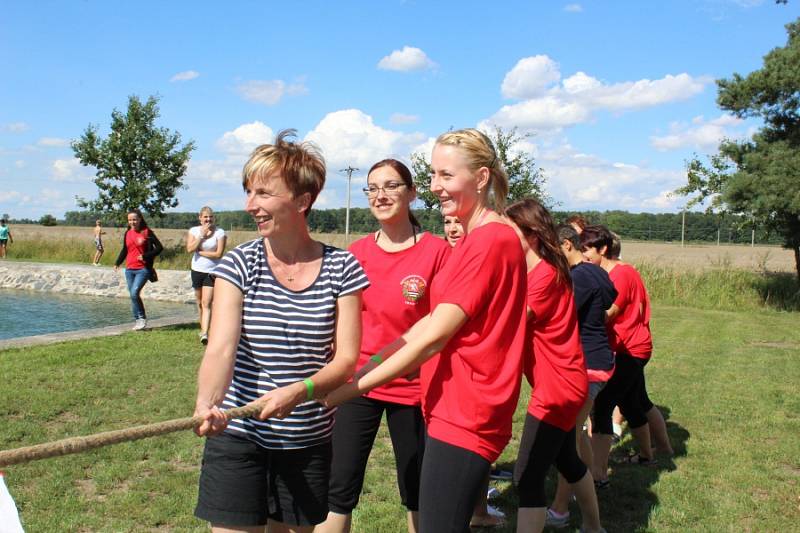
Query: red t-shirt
point(470, 391)
point(136, 243)
point(630, 330)
point(557, 370)
point(397, 297)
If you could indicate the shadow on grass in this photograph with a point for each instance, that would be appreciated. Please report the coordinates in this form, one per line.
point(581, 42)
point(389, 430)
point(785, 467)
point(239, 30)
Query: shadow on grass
point(626, 504)
point(778, 290)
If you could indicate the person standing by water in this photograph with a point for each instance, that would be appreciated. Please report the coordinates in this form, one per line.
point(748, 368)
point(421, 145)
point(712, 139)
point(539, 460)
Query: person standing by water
point(477, 328)
point(286, 330)
point(140, 247)
point(206, 243)
point(98, 243)
point(5, 237)
point(401, 261)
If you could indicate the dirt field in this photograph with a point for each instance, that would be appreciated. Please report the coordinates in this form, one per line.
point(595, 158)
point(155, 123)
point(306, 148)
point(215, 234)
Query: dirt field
point(759, 258)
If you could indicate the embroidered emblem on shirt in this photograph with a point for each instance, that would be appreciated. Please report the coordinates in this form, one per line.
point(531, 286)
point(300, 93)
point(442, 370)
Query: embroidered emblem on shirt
point(413, 288)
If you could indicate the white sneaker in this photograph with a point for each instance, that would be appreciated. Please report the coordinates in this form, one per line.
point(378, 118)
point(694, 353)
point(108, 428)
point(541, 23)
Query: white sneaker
point(555, 520)
point(140, 324)
point(495, 512)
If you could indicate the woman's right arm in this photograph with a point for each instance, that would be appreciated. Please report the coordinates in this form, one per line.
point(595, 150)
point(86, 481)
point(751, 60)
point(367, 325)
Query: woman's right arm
point(192, 242)
point(424, 340)
point(216, 370)
point(122, 253)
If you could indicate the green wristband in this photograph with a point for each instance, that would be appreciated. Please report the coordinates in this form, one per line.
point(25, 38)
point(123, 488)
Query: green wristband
point(377, 358)
point(309, 388)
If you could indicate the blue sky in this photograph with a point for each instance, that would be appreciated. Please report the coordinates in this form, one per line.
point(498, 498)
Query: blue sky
point(615, 96)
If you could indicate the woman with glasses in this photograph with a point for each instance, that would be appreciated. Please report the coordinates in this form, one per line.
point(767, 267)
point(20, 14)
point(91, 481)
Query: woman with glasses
point(401, 261)
point(477, 328)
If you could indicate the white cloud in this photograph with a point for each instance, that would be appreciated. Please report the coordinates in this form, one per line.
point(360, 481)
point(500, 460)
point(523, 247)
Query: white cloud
point(549, 105)
point(401, 118)
point(701, 135)
point(269, 92)
point(186, 75)
point(407, 59)
point(350, 137)
point(16, 127)
point(53, 142)
point(244, 139)
point(19, 163)
point(69, 170)
point(573, 8)
point(663, 200)
point(530, 77)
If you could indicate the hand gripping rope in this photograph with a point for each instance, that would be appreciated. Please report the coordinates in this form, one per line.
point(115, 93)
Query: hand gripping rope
point(98, 440)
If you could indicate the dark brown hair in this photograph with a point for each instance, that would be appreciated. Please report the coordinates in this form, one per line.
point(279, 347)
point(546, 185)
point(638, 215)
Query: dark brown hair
point(405, 175)
point(142, 221)
point(597, 237)
point(578, 220)
point(534, 220)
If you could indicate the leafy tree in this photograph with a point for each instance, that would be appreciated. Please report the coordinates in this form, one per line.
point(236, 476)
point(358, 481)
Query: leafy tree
point(524, 177)
point(759, 178)
point(138, 165)
point(48, 220)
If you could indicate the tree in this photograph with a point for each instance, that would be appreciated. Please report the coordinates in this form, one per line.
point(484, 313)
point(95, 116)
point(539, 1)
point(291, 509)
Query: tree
point(759, 179)
point(524, 177)
point(48, 220)
point(138, 165)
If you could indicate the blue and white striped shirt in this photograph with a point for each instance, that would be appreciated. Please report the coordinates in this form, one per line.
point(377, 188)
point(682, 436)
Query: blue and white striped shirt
point(286, 336)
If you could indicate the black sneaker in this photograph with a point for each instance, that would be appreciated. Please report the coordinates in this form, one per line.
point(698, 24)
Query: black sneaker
point(500, 475)
point(204, 339)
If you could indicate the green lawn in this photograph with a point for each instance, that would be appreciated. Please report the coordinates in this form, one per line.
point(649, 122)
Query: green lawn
point(727, 382)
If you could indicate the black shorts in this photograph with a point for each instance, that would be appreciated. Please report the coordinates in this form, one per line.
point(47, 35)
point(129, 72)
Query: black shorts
point(243, 484)
point(3, 242)
point(201, 279)
point(628, 390)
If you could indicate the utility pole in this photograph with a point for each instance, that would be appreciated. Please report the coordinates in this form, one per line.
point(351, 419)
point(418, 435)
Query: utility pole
point(683, 226)
point(349, 171)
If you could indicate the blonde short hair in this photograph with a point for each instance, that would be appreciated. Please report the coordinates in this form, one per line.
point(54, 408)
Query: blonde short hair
point(299, 164)
point(479, 152)
point(206, 209)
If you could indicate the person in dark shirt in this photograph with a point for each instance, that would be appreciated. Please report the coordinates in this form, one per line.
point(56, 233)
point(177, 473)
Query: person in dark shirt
point(594, 293)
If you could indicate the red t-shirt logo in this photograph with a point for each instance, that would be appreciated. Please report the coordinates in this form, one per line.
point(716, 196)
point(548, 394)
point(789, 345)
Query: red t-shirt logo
point(413, 288)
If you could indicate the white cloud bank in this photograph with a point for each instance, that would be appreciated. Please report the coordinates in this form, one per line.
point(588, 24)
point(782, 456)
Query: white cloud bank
point(269, 92)
point(549, 102)
point(406, 60)
point(186, 75)
point(573, 8)
point(700, 135)
point(51, 142)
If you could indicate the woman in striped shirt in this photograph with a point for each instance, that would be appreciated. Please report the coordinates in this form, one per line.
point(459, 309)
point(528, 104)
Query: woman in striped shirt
point(286, 330)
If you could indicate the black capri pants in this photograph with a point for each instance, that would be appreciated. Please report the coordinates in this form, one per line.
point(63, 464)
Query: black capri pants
point(542, 445)
point(626, 389)
point(354, 430)
point(452, 480)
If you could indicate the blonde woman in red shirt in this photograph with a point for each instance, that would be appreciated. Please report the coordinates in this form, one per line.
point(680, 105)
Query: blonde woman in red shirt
point(470, 391)
point(400, 261)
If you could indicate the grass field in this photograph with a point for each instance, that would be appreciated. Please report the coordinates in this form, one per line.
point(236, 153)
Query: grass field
point(726, 380)
point(72, 244)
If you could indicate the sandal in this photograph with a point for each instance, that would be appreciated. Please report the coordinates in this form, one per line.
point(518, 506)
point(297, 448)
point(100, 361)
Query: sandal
point(600, 484)
point(637, 459)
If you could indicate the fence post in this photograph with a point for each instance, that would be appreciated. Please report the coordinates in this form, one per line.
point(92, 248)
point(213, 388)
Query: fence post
point(683, 226)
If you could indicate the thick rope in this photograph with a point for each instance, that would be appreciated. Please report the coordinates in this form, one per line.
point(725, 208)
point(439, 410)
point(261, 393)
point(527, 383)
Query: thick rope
point(98, 440)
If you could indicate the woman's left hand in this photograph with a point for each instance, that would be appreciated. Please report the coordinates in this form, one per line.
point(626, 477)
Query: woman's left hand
point(279, 403)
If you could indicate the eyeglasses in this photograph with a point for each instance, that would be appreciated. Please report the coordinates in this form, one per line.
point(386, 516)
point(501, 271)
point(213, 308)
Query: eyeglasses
point(391, 188)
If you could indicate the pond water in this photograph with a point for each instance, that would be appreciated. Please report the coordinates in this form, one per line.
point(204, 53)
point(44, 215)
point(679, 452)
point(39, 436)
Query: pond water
point(24, 313)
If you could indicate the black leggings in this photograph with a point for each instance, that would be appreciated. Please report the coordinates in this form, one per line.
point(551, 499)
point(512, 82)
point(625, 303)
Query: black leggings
point(452, 480)
point(354, 430)
point(542, 445)
point(626, 389)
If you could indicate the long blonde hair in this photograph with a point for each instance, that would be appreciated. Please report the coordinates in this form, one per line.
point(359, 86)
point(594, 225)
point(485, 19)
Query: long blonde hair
point(479, 152)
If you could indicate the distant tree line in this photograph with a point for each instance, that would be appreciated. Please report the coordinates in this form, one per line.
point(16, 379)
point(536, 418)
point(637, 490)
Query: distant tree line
point(700, 227)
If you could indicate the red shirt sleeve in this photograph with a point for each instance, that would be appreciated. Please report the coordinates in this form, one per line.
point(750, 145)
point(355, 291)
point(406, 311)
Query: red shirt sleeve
point(623, 284)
